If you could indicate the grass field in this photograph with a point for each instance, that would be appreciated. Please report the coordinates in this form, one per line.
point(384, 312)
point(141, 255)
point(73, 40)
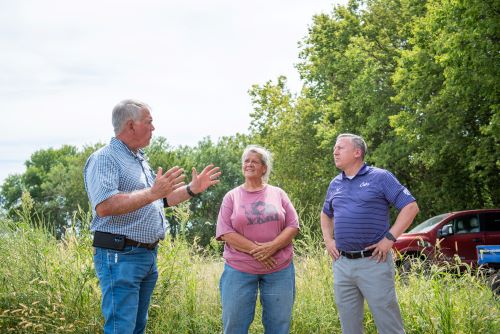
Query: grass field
point(49, 286)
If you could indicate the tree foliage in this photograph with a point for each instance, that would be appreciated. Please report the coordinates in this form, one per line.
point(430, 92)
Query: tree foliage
point(287, 126)
point(54, 180)
point(226, 153)
point(448, 83)
point(417, 79)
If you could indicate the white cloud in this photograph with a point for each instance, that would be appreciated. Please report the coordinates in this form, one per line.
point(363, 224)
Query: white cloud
point(65, 64)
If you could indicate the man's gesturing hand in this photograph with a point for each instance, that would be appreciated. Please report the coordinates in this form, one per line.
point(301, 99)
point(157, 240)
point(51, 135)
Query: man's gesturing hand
point(166, 183)
point(208, 177)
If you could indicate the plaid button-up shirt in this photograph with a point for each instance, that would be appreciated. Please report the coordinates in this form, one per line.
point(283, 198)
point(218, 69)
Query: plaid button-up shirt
point(116, 169)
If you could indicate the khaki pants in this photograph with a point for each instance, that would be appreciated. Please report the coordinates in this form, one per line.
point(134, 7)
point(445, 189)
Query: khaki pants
point(358, 279)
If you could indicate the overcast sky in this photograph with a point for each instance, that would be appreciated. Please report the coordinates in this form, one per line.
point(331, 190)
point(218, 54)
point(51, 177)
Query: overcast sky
point(65, 64)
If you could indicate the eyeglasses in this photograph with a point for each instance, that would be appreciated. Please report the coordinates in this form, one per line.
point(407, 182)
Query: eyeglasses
point(252, 163)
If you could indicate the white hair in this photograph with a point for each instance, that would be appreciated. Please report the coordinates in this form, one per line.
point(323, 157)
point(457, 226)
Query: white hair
point(265, 157)
point(127, 110)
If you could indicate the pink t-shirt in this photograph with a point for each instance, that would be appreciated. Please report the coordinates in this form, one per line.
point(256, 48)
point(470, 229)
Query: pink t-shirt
point(258, 216)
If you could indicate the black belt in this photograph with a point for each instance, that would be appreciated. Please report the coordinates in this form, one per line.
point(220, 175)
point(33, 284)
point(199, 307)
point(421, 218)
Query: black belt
point(357, 255)
point(130, 242)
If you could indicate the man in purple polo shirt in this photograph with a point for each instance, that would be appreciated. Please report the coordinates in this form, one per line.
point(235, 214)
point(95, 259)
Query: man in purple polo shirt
point(358, 236)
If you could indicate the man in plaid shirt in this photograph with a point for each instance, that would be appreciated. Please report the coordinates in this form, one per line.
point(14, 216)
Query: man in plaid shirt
point(127, 199)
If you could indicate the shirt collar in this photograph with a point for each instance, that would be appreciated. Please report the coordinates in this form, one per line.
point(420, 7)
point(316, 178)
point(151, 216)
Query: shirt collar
point(363, 170)
point(117, 143)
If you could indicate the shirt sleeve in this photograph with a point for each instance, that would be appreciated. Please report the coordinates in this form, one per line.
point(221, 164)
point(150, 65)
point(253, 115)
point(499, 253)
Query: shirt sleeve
point(327, 205)
point(224, 224)
point(395, 192)
point(103, 179)
point(291, 216)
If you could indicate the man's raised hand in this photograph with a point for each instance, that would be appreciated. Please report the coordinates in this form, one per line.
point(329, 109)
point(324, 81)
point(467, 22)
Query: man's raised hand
point(166, 183)
point(208, 177)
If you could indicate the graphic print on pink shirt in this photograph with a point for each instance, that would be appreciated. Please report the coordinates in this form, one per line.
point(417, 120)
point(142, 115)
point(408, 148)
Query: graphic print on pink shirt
point(260, 212)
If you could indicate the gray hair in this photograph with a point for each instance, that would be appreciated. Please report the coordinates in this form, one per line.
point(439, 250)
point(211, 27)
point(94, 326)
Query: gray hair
point(358, 142)
point(127, 110)
point(265, 157)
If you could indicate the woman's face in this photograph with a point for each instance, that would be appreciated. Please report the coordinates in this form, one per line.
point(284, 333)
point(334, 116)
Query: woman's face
point(253, 168)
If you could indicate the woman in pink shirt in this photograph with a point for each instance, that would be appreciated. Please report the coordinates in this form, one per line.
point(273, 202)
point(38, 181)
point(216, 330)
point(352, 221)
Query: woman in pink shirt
point(258, 222)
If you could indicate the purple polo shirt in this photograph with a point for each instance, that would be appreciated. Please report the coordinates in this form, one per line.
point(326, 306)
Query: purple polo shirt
point(360, 206)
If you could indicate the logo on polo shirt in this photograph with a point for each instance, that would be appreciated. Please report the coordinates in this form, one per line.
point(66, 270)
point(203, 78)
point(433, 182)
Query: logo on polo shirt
point(364, 184)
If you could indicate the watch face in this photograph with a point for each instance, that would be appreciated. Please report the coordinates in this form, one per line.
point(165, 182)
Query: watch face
point(389, 236)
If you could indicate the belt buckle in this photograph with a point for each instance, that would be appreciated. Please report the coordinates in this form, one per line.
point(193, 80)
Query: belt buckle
point(355, 254)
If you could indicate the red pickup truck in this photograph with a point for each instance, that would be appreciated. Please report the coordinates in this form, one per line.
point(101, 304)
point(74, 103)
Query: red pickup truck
point(452, 234)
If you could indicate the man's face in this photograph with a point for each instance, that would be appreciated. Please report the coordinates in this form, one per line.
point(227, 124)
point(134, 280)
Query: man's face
point(143, 129)
point(345, 153)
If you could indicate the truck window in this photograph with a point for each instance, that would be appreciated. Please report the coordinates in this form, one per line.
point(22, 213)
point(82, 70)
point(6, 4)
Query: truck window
point(428, 224)
point(466, 224)
point(490, 221)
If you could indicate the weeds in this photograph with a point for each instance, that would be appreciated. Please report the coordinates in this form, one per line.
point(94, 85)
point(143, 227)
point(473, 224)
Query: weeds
point(49, 286)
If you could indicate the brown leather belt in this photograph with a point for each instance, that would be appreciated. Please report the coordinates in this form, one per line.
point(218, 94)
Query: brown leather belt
point(357, 255)
point(130, 242)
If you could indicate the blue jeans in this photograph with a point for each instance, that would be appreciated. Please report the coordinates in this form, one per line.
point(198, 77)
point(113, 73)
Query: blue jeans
point(127, 279)
point(239, 295)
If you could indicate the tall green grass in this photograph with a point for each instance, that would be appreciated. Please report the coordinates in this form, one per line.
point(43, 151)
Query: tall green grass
point(49, 286)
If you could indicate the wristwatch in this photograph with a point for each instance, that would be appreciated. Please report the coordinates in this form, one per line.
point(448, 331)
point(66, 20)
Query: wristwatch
point(389, 236)
point(190, 192)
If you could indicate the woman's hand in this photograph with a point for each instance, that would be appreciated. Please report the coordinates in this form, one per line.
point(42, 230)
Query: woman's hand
point(269, 263)
point(264, 250)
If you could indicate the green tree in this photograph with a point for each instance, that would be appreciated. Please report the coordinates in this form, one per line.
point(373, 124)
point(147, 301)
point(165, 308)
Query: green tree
point(448, 83)
point(417, 79)
point(11, 191)
point(348, 60)
point(54, 180)
point(287, 127)
point(226, 154)
point(347, 63)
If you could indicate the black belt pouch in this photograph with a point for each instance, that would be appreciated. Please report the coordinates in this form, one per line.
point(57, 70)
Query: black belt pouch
point(109, 240)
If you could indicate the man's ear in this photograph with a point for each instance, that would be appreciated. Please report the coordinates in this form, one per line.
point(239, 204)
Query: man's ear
point(129, 125)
